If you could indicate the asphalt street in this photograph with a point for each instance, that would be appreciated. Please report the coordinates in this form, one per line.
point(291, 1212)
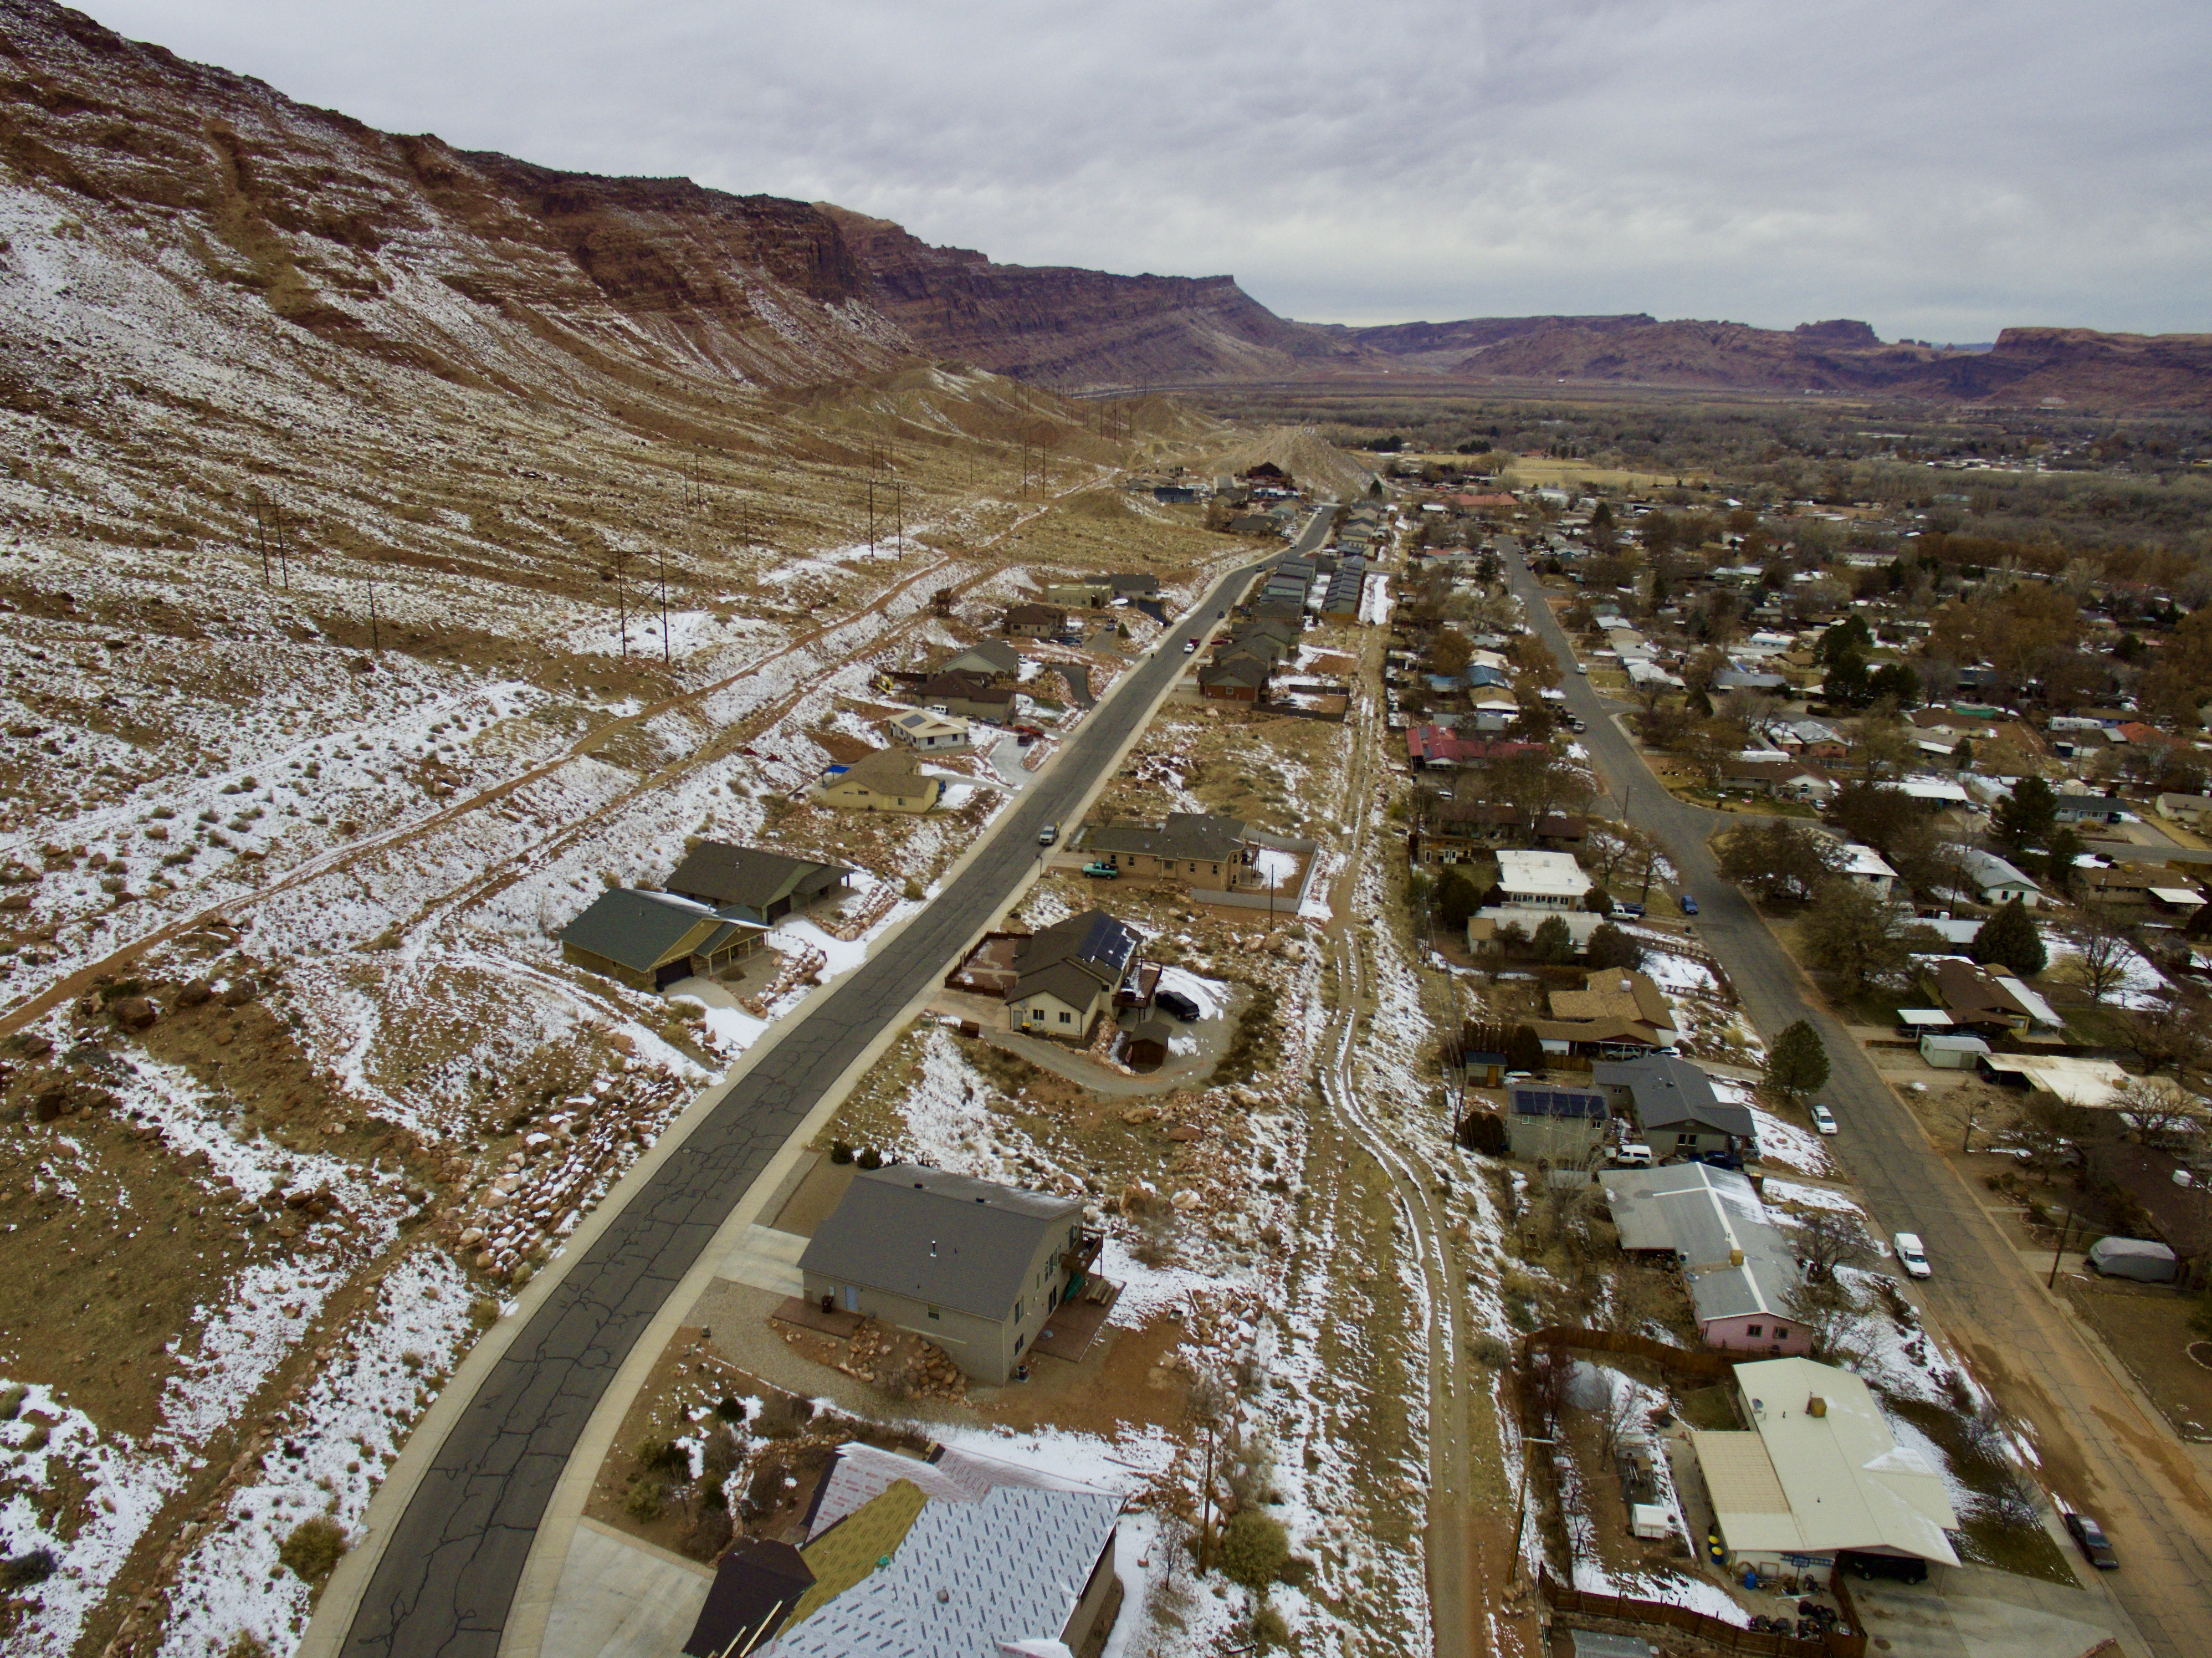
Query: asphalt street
point(2140, 1483)
point(445, 1579)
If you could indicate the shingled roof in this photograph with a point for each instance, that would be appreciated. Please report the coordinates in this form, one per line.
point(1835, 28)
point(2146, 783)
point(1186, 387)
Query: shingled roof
point(935, 1237)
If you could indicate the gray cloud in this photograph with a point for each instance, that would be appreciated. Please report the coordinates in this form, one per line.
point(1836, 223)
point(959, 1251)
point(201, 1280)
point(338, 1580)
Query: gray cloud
point(1940, 167)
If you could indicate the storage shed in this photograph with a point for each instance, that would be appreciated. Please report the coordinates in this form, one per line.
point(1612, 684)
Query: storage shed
point(1949, 1053)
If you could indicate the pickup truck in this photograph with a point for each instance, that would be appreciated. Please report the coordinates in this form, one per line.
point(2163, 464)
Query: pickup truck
point(1102, 872)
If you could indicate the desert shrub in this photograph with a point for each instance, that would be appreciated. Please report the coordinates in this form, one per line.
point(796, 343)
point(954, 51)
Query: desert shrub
point(21, 1571)
point(1484, 1131)
point(728, 1410)
point(1491, 1348)
point(1269, 1629)
point(1253, 1548)
point(656, 1455)
point(710, 1533)
point(840, 1152)
point(717, 1456)
point(246, 1645)
point(313, 1549)
point(871, 1158)
point(647, 1499)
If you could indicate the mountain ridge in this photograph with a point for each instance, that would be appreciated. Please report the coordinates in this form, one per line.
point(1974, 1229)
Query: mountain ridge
point(354, 235)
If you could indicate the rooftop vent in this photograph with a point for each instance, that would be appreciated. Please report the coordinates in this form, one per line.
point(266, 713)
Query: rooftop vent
point(1816, 1405)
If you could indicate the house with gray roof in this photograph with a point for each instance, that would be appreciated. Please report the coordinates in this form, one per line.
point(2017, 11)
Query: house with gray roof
point(648, 941)
point(752, 884)
point(1674, 1104)
point(1201, 851)
point(1709, 1222)
point(928, 1567)
point(994, 659)
point(1996, 880)
point(1065, 976)
point(975, 1267)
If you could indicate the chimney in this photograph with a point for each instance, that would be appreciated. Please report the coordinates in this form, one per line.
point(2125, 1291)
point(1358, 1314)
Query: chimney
point(1816, 1405)
point(1736, 1257)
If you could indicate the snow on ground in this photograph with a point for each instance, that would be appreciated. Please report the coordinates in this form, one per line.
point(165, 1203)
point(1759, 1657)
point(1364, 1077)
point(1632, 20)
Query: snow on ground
point(330, 1451)
point(1779, 1190)
point(1212, 995)
point(1779, 1141)
point(1273, 867)
point(1375, 599)
point(2141, 985)
point(1679, 975)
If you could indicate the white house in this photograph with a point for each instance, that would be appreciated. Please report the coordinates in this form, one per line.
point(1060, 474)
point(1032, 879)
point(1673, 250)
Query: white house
point(1542, 880)
point(930, 731)
point(1997, 881)
point(1863, 866)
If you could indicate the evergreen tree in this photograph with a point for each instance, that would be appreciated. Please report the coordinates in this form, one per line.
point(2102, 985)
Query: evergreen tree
point(2009, 939)
point(1554, 940)
point(1457, 899)
point(1797, 1064)
point(1609, 946)
point(1524, 1049)
point(2026, 818)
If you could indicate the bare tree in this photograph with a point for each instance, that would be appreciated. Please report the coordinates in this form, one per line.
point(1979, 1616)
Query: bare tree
point(2105, 952)
point(2160, 1110)
point(1827, 1239)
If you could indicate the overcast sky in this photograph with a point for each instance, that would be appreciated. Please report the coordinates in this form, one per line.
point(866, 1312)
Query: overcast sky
point(1937, 167)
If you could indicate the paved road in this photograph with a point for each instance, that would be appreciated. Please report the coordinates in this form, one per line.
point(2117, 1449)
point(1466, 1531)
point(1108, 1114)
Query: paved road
point(444, 1584)
point(2098, 1448)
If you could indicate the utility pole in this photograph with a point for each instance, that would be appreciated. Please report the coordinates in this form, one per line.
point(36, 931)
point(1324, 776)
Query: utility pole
point(871, 515)
point(1520, 1509)
point(284, 563)
point(375, 643)
point(261, 536)
point(1206, 1499)
point(662, 550)
point(1966, 1140)
point(2064, 1227)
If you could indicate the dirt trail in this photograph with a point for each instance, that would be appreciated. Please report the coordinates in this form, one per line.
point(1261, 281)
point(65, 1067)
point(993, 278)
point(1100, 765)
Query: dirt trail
point(1462, 1548)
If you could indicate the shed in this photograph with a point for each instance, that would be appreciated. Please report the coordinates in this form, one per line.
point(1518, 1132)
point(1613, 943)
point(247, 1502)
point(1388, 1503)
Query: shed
point(1149, 1041)
point(1947, 1053)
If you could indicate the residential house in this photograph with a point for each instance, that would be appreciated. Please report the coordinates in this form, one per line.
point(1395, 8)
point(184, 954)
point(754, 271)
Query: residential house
point(930, 733)
point(1863, 867)
point(1128, 584)
point(1673, 1102)
point(1996, 882)
point(1739, 679)
point(2071, 807)
point(1977, 998)
point(1065, 976)
point(2126, 886)
point(2185, 808)
point(967, 696)
point(994, 659)
point(1204, 853)
point(1784, 778)
point(2160, 1195)
point(1808, 740)
point(1819, 1472)
point(1238, 678)
point(1076, 595)
point(1740, 1269)
point(959, 1554)
point(752, 884)
point(1563, 1127)
point(1619, 995)
point(648, 941)
point(1439, 748)
point(974, 1267)
point(1036, 620)
point(1542, 880)
point(1485, 935)
point(887, 780)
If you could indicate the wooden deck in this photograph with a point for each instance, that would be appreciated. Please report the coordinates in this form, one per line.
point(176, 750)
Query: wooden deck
point(1075, 1325)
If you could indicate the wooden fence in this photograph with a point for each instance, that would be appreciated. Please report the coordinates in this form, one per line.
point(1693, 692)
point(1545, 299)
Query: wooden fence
point(1715, 1631)
point(1711, 1367)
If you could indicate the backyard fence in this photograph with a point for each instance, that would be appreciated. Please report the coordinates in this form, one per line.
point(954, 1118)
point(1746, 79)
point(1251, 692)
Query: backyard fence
point(1708, 1366)
point(1715, 1631)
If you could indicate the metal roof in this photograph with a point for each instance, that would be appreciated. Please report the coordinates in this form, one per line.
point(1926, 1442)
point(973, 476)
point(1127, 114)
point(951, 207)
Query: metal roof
point(939, 1238)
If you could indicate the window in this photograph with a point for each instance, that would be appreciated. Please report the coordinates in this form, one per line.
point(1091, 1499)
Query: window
point(934, 1313)
point(1748, 1329)
point(1066, 1018)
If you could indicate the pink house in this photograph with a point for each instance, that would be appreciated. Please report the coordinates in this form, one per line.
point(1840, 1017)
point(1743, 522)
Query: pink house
point(1709, 1225)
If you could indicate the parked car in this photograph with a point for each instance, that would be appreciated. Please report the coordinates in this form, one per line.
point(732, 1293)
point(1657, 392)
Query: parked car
point(1911, 1256)
point(1897, 1568)
point(1175, 1002)
point(1189, 646)
point(1102, 872)
point(1049, 834)
point(1632, 1156)
point(1689, 905)
point(1628, 909)
point(1824, 1120)
point(2096, 1547)
point(1582, 667)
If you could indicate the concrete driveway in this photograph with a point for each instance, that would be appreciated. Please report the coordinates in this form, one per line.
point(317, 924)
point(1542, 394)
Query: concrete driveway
point(2099, 1449)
